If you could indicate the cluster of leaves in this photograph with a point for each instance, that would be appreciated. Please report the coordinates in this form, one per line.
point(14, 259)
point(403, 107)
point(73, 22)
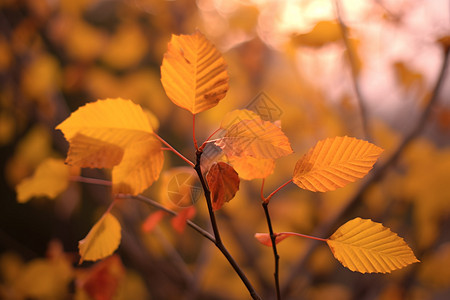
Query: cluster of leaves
point(55, 54)
point(117, 134)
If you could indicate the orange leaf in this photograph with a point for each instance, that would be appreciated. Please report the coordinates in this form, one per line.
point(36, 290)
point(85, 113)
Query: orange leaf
point(223, 182)
point(324, 32)
point(335, 162)
point(264, 238)
point(179, 221)
point(102, 240)
point(193, 73)
point(369, 247)
point(152, 220)
point(256, 138)
point(103, 279)
point(250, 168)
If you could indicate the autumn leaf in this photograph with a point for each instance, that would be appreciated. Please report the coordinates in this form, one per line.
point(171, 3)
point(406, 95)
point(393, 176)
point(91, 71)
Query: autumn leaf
point(50, 179)
point(256, 138)
point(335, 162)
point(264, 238)
point(117, 134)
point(152, 220)
point(368, 247)
point(179, 221)
point(102, 281)
point(102, 240)
point(193, 73)
point(223, 182)
point(236, 116)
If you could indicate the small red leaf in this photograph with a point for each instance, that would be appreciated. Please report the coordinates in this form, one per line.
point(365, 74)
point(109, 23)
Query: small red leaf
point(152, 220)
point(223, 182)
point(179, 221)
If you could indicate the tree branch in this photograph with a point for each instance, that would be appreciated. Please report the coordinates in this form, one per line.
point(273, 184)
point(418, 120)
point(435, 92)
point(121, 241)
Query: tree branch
point(354, 69)
point(218, 240)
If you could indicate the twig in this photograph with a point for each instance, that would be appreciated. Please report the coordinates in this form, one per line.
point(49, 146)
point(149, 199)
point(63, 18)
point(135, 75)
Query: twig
point(354, 69)
point(173, 150)
point(375, 175)
point(161, 207)
point(218, 240)
point(274, 248)
point(91, 180)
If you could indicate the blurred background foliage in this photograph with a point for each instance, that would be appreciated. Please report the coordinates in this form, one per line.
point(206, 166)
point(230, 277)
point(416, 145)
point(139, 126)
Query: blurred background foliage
point(58, 55)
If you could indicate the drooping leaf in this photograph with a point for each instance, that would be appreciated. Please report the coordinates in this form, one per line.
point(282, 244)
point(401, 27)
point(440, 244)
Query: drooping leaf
point(335, 162)
point(102, 240)
point(368, 247)
point(250, 168)
point(49, 180)
point(264, 238)
point(140, 167)
point(115, 133)
point(193, 73)
point(179, 221)
point(223, 182)
point(256, 138)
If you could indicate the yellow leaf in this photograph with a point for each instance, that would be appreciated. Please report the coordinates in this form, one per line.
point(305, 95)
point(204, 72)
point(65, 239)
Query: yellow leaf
point(102, 240)
point(116, 121)
point(368, 247)
point(49, 180)
point(250, 168)
point(256, 138)
point(140, 167)
point(193, 73)
point(335, 162)
point(324, 32)
point(115, 133)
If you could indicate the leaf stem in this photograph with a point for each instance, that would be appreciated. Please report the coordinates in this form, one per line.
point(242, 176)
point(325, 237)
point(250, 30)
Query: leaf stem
point(208, 139)
point(273, 236)
point(193, 132)
point(218, 241)
point(303, 235)
point(173, 149)
point(267, 199)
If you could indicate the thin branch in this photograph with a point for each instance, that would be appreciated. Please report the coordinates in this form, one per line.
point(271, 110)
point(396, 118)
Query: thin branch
point(354, 68)
point(218, 241)
point(91, 180)
point(208, 139)
point(173, 150)
point(173, 213)
point(374, 176)
point(276, 257)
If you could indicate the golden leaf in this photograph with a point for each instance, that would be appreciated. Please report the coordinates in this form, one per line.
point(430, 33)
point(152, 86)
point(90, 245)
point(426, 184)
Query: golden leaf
point(102, 240)
point(193, 73)
point(115, 133)
point(223, 182)
point(335, 162)
point(50, 179)
point(324, 32)
point(140, 167)
point(368, 247)
point(256, 138)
